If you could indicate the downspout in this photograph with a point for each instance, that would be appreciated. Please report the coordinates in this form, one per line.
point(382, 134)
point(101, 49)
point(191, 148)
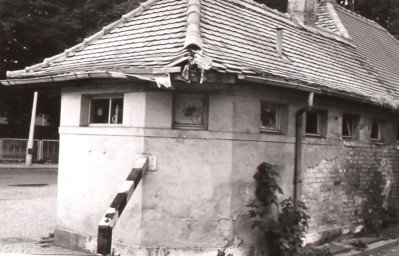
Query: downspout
point(298, 148)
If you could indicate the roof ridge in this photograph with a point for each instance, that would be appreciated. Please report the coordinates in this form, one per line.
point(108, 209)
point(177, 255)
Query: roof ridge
point(193, 35)
point(105, 30)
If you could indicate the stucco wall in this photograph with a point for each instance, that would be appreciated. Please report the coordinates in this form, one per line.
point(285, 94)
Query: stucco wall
point(196, 199)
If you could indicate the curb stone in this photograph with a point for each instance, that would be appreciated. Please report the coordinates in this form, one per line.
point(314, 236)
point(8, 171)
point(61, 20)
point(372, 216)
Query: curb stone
point(371, 248)
point(33, 166)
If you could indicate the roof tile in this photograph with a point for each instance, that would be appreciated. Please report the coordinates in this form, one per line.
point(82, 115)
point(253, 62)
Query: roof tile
point(240, 37)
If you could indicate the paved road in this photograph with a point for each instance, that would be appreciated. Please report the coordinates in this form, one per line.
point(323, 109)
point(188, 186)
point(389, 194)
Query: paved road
point(28, 211)
point(388, 252)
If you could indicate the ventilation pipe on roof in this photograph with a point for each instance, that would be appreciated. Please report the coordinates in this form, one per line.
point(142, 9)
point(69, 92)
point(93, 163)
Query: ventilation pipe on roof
point(304, 10)
point(279, 41)
point(298, 148)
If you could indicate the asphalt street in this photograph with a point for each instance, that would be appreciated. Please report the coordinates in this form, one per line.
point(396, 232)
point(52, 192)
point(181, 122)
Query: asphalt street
point(388, 252)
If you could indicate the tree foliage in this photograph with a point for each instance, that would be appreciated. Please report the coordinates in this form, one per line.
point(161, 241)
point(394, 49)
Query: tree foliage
point(384, 12)
point(31, 30)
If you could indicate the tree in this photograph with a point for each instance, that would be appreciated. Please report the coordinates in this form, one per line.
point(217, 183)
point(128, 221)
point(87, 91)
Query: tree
point(280, 5)
point(384, 12)
point(31, 30)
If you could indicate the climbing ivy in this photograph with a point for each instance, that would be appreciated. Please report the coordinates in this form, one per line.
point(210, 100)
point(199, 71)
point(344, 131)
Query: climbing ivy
point(284, 235)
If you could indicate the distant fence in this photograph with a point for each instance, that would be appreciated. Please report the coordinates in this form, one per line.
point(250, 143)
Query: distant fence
point(14, 150)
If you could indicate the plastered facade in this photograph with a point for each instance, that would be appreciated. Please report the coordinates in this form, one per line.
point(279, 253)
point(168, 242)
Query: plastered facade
point(195, 202)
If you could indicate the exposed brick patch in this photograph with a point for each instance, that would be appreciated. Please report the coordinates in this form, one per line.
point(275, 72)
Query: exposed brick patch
point(337, 190)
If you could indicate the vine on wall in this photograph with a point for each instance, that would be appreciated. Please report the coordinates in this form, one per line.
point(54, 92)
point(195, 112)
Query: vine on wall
point(282, 235)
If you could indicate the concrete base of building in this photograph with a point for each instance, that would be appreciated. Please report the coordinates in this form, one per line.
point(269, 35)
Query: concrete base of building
point(87, 244)
point(74, 241)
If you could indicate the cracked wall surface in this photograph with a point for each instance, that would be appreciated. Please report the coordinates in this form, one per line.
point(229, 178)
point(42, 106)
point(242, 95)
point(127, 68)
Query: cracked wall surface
point(195, 202)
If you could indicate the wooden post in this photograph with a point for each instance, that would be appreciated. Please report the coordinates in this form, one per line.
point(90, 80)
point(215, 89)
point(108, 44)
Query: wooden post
point(29, 148)
point(104, 240)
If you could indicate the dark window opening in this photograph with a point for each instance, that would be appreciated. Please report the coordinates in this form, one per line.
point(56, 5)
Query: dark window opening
point(375, 130)
point(349, 123)
point(312, 123)
point(270, 118)
point(106, 111)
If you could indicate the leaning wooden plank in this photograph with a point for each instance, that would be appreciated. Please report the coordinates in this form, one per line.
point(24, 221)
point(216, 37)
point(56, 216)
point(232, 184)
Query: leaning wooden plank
point(111, 216)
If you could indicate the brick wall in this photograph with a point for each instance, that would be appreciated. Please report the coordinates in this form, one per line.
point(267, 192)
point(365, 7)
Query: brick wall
point(337, 191)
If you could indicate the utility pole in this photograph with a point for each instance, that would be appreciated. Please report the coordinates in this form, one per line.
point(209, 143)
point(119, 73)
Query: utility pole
point(29, 149)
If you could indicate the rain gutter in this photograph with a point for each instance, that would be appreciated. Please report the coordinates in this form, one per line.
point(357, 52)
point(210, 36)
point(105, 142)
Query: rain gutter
point(321, 90)
point(149, 75)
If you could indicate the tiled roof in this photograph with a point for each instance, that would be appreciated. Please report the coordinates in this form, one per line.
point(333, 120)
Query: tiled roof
point(374, 43)
point(143, 38)
point(239, 36)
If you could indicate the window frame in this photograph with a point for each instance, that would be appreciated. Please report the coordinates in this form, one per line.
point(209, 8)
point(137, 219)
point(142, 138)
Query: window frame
point(205, 108)
point(354, 127)
point(278, 108)
point(108, 97)
point(318, 128)
point(379, 132)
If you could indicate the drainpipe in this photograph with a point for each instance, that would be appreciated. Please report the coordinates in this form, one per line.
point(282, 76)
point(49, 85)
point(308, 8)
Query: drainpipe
point(298, 148)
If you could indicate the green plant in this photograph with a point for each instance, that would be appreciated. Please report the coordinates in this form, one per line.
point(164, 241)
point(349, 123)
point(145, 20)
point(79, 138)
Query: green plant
point(293, 222)
point(283, 236)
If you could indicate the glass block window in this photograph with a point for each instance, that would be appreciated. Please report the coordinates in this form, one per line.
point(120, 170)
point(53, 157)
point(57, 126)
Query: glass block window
point(190, 111)
point(106, 110)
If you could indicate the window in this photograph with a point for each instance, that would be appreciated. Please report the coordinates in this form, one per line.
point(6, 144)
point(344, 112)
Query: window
point(375, 133)
point(190, 111)
point(316, 123)
point(349, 125)
point(269, 117)
point(312, 123)
point(106, 110)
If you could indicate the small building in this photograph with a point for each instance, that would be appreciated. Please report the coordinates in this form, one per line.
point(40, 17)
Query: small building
point(212, 89)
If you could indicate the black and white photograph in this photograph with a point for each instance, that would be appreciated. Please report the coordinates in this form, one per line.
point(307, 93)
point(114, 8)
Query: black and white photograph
point(199, 127)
